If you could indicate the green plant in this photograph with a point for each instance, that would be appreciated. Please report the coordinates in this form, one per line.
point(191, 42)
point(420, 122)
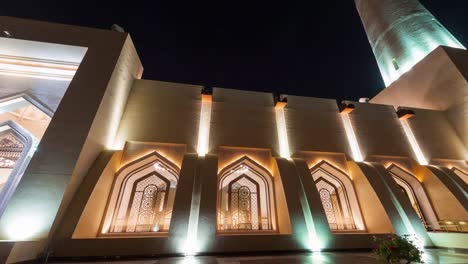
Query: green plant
point(396, 249)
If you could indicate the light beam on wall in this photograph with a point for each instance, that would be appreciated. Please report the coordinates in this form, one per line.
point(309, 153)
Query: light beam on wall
point(282, 130)
point(204, 128)
point(413, 142)
point(352, 140)
point(191, 246)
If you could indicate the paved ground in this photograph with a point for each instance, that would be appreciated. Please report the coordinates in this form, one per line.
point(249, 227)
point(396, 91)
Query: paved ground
point(432, 256)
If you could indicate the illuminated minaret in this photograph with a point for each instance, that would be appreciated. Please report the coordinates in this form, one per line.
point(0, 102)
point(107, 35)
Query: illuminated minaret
point(401, 33)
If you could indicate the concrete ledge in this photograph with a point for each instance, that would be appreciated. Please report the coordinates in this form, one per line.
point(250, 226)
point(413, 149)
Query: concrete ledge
point(449, 240)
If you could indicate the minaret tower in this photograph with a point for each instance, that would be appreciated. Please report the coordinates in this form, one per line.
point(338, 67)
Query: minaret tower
point(401, 33)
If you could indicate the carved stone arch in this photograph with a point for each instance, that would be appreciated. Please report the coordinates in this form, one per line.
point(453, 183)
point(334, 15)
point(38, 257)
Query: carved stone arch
point(142, 196)
point(21, 162)
point(246, 199)
point(415, 192)
point(345, 205)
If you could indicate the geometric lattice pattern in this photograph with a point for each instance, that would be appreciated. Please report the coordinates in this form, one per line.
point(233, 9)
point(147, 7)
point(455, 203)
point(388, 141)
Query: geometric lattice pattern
point(143, 199)
point(334, 198)
point(10, 150)
point(327, 204)
point(244, 199)
point(244, 207)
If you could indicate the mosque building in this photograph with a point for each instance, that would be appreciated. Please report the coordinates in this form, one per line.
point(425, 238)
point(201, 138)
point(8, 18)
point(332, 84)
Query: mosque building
point(96, 162)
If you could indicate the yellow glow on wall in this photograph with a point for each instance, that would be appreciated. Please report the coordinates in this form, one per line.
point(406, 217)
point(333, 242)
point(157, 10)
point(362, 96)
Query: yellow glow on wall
point(282, 132)
point(222, 166)
point(339, 166)
point(414, 143)
point(140, 156)
point(352, 140)
point(204, 128)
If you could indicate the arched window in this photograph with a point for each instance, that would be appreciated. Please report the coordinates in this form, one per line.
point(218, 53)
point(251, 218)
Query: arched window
point(414, 190)
point(338, 198)
point(246, 198)
point(142, 196)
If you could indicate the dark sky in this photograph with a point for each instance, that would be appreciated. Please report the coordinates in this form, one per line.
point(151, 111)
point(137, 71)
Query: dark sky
point(311, 48)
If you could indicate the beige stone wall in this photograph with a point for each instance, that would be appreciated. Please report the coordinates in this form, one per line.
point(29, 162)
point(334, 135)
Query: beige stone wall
point(91, 218)
point(107, 119)
point(314, 124)
point(436, 136)
point(161, 112)
point(243, 119)
point(445, 204)
point(378, 131)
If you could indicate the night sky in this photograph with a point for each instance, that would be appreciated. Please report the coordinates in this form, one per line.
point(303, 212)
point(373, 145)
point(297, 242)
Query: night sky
point(310, 48)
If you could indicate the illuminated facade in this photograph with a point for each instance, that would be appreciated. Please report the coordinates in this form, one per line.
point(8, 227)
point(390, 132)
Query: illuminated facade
point(156, 168)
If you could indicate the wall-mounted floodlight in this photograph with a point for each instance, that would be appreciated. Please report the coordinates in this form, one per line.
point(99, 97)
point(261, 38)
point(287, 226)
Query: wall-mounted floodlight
point(404, 114)
point(280, 103)
point(345, 108)
point(205, 119)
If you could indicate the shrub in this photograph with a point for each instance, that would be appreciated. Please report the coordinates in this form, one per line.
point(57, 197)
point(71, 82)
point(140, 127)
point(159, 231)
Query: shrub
point(396, 249)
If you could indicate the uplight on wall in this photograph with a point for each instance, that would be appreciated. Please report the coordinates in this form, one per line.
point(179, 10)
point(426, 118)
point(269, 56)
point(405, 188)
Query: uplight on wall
point(205, 119)
point(345, 109)
point(280, 104)
point(23, 226)
point(404, 115)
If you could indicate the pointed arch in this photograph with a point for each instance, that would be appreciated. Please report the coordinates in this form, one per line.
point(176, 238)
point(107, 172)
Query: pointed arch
point(414, 190)
point(338, 197)
point(246, 197)
point(142, 196)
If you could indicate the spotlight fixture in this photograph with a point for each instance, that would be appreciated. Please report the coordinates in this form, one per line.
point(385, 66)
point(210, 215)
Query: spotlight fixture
point(404, 114)
point(280, 100)
point(345, 108)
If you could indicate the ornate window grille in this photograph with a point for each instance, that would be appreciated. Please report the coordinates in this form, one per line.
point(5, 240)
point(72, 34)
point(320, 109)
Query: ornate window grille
point(142, 196)
point(245, 198)
point(339, 209)
point(330, 210)
point(11, 148)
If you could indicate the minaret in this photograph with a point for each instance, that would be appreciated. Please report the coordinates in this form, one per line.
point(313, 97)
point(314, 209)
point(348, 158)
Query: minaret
point(401, 33)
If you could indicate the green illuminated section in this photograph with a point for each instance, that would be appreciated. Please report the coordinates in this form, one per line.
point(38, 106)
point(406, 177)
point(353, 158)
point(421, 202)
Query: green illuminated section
point(401, 34)
point(415, 44)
